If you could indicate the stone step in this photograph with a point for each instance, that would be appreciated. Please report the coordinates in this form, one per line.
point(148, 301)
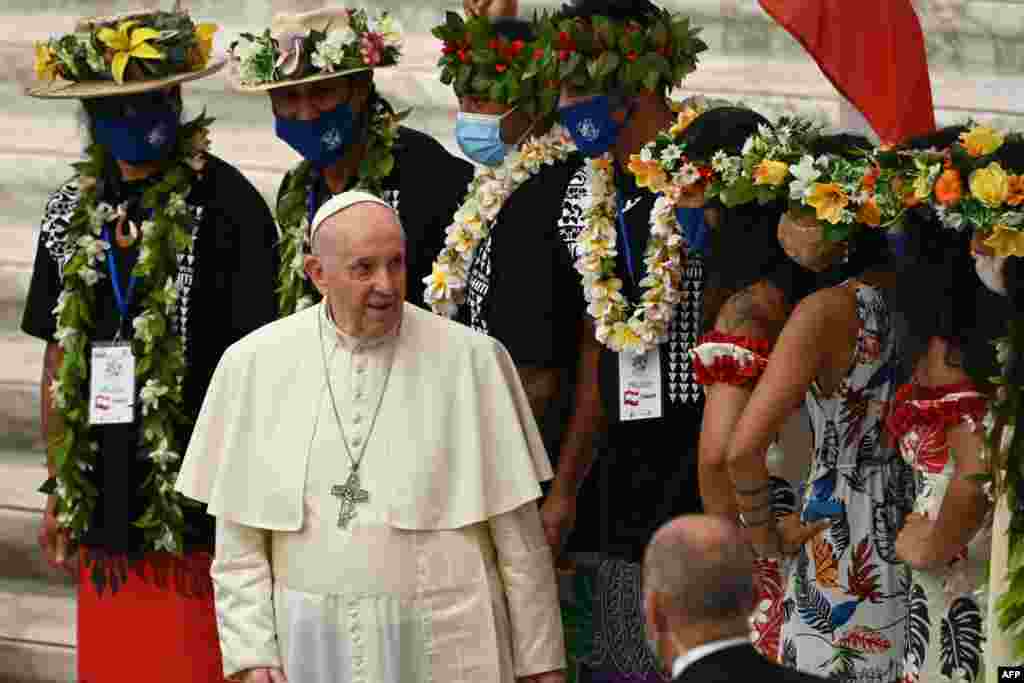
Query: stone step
point(37, 632)
point(21, 363)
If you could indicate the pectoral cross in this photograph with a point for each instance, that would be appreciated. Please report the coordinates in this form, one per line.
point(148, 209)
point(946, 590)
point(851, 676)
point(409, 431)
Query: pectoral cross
point(350, 493)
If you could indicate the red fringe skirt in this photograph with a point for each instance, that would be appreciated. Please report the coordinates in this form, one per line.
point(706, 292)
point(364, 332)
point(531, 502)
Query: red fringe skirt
point(147, 619)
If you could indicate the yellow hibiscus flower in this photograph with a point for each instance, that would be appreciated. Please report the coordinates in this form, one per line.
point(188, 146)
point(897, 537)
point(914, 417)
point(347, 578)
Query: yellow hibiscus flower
point(770, 172)
point(1006, 241)
point(828, 200)
point(981, 140)
point(126, 44)
point(990, 185)
point(46, 62)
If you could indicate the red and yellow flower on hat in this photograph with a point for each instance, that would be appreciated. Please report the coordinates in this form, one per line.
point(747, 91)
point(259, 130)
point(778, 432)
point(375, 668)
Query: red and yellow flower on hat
point(200, 53)
point(1005, 241)
point(829, 202)
point(981, 140)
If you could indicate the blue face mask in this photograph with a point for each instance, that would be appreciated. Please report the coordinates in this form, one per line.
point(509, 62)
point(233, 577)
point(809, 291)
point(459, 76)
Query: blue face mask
point(591, 125)
point(479, 137)
point(321, 141)
point(144, 136)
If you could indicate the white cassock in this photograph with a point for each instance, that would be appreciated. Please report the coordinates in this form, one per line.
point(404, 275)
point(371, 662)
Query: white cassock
point(444, 574)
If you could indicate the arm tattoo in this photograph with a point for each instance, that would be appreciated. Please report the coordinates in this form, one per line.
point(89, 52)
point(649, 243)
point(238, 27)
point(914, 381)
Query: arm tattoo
point(737, 312)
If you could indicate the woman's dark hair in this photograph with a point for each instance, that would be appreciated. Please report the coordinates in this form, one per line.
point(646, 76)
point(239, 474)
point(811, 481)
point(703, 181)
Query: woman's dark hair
point(941, 296)
point(940, 139)
point(744, 248)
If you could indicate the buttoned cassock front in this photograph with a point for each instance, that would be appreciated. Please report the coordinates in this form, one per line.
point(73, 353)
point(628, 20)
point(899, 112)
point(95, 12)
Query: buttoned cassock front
point(444, 574)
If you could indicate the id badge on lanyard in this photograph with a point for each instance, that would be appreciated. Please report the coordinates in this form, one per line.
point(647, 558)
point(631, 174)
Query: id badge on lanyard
point(112, 386)
point(640, 385)
point(112, 366)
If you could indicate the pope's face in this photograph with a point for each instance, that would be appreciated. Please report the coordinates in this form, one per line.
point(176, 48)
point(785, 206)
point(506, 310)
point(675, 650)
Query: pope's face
point(359, 266)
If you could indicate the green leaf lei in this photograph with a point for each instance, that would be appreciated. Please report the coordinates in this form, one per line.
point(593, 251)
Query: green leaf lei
point(293, 220)
point(159, 351)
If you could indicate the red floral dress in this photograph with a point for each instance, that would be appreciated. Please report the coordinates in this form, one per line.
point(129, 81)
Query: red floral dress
point(945, 632)
point(725, 359)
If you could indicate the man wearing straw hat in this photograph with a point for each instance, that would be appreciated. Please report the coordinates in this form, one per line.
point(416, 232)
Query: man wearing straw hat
point(375, 486)
point(153, 258)
point(317, 67)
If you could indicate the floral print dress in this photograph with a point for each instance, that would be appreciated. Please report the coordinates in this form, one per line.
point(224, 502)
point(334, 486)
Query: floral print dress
point(845, 608)
point(945, 633)
point(740, 360)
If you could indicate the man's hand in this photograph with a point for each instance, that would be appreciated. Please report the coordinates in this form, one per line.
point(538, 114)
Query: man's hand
point(558, 517)
point(262, 676)
point(54, 541)
point(548, 677)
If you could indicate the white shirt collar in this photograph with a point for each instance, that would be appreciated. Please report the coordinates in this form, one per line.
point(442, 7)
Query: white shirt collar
point(701, 651)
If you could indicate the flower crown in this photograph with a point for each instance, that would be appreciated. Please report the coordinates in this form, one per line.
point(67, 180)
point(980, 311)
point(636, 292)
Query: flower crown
point(662, 165)
point(480, 63)
point(601, 54)
point(135, 47)
point(969, 187)
point(362, 43)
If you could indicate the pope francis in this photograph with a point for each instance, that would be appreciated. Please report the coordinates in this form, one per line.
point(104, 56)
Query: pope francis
point(373, 469)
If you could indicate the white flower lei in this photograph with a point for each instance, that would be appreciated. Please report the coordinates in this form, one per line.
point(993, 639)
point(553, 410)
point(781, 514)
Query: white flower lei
point(488, 191)
point(622, 325)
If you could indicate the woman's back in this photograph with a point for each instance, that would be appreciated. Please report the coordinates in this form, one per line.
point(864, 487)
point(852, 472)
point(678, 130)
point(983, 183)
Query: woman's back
point(847, 590)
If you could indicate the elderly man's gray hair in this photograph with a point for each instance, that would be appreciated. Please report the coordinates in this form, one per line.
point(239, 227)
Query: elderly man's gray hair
point(702, 573)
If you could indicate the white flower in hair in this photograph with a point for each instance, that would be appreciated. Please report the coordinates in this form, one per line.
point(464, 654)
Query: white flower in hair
point(805, 174)
point(331, 50)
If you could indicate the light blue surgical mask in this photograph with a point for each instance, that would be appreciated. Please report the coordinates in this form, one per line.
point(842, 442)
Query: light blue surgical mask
point(479, 137)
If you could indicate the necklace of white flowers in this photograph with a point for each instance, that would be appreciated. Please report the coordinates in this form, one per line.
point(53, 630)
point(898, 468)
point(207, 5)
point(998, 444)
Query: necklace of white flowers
point(159, 351)
point(488, 191)
point(298, 198)
point(622, 325)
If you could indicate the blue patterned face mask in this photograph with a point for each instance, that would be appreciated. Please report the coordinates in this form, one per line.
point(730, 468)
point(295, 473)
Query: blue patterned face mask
point(479, 137)
point(591, 125)
point(144, 136)
point(322, 141)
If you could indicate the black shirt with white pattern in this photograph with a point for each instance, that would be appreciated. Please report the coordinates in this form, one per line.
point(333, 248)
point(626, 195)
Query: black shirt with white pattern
point(523, 290)
point(225, 284)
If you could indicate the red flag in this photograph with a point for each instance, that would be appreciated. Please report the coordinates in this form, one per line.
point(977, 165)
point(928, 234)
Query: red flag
point(873, 53)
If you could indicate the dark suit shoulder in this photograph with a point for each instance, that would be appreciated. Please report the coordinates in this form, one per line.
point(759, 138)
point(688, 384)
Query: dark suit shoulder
point(742, 663)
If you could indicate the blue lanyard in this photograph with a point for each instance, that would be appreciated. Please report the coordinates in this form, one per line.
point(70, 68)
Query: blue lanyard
point(624, 236)
point(123, 302)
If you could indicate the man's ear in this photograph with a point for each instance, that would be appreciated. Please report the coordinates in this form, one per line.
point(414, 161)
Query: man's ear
point(314, 268)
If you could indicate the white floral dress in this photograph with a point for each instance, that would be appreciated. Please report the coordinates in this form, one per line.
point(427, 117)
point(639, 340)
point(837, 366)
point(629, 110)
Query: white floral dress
point(945, 632)
point(845, 608)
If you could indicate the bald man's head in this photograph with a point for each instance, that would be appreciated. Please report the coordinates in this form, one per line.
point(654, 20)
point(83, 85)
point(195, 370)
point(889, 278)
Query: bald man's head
point(702, 570)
